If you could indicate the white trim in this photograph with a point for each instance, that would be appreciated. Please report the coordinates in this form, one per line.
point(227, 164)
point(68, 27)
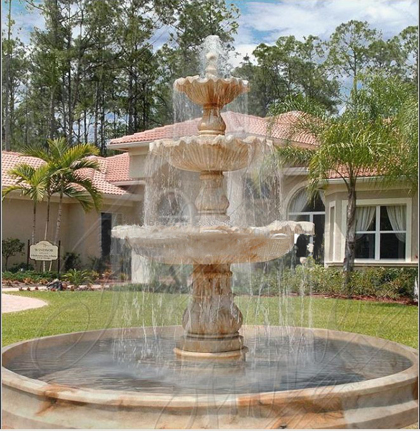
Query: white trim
point(129, 183)
point(307, 213)
point(291, 194)
point(126, 146)
point(343, 229)
point(382, 202)
point(341, 181)
point(359, 179)
point(295, 171)
point(331, 230)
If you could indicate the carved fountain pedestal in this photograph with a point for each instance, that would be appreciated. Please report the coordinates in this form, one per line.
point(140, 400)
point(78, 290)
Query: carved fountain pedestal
point(212, 320)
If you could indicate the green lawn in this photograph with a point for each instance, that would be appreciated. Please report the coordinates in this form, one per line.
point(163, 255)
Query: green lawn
point(79, 311)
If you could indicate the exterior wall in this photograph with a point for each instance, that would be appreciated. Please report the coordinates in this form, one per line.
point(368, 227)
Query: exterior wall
point(367, 192)
point(83, 232)
point(80, 232)
point(17, 222)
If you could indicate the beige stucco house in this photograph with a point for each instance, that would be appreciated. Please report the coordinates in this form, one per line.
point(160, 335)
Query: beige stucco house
point(140, 189)
point(84, 233)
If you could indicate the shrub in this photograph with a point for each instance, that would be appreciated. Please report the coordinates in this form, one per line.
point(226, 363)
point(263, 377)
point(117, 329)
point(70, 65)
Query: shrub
point(29, 277)
point(71, 261)
point(99, 264)
point(11, 247)
point(392, 283)
point(78, 277)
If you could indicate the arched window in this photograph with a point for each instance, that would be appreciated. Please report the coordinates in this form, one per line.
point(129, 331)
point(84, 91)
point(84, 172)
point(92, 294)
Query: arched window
point(173, 209)
point(302, 208)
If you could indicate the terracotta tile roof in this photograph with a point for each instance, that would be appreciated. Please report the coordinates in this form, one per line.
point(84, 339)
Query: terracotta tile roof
point(118, 168)
point(276, 127)
point(113, 168)
point(9, 159)
point(343, 171)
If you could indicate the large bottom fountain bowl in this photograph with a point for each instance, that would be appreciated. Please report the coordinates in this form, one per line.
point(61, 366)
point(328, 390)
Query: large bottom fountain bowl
point(291, 378)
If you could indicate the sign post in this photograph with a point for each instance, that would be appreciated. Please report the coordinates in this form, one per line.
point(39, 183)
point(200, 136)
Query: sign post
point(44, 250)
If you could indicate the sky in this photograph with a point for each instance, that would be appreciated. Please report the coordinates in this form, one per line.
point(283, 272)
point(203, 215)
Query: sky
point(264, 21)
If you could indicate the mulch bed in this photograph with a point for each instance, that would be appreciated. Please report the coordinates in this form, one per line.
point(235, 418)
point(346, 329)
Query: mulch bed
point(405, 301)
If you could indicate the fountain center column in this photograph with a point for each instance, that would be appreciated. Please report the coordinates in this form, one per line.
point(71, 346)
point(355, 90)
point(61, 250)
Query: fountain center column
point(212, 320)
point(211, 122)
point(211, 202)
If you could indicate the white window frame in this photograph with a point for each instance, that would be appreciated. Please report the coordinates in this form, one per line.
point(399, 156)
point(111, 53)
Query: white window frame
point(330, 235)
point(378, 203)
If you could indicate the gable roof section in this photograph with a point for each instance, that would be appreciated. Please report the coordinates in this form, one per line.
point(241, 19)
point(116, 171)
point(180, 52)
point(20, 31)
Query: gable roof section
point(277, 128)
point(114, 168)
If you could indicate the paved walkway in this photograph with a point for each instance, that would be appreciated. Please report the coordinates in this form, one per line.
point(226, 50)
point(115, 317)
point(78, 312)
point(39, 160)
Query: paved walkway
point(12, 303)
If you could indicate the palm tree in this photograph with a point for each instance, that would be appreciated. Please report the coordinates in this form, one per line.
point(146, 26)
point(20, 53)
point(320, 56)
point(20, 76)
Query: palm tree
point(397, 102)
point(31, 182)
point(64, 164)
point(349, 145)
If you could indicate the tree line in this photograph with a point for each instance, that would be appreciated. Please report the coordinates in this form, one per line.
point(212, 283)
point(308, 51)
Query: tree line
point(326, 71)
point(93, 73)
point(102, 69)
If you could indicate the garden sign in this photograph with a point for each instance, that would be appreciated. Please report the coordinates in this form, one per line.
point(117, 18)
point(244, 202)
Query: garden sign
point(43, 251)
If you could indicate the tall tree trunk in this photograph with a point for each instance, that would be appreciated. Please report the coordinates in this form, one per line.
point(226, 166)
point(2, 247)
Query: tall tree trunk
point(78, 136)
point(26, 117)
point(350, 246)
point(96, 115)
point(69, 92)
point(60, 209)
point(34, 223)
point(47, 219)
point(52, 114)
point(85, 127)
point(7, 120)
point(131, 126)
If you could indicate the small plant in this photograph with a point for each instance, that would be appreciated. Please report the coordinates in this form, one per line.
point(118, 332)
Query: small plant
point(71, 261)
point(77, 277)
point(11, 247)
point(99, 264)
point(123, 277)
point(20, 267)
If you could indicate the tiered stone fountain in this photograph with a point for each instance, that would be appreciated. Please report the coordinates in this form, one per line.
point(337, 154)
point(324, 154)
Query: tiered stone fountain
point(212, 320)
point(290, 378)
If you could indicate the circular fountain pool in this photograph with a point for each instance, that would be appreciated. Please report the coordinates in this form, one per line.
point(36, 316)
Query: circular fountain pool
point(294, 377)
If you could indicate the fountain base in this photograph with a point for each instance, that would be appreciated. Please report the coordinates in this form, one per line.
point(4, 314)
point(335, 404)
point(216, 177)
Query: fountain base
point(230, 346)
point(295, 378)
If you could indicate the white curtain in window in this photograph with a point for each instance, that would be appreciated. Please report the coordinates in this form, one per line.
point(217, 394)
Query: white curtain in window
point(364, 217)
point(398, 217)
point(299, 201)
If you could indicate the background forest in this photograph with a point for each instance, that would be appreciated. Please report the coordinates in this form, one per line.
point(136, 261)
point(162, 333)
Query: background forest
point(99, 70)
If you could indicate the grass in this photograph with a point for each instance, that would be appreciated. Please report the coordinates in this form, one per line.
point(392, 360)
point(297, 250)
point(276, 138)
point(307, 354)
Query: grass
point(80, 311)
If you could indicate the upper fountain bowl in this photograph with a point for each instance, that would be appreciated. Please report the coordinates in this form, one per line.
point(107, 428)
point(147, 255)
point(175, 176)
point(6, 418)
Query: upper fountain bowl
point(211, 89)
point(209, 153)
